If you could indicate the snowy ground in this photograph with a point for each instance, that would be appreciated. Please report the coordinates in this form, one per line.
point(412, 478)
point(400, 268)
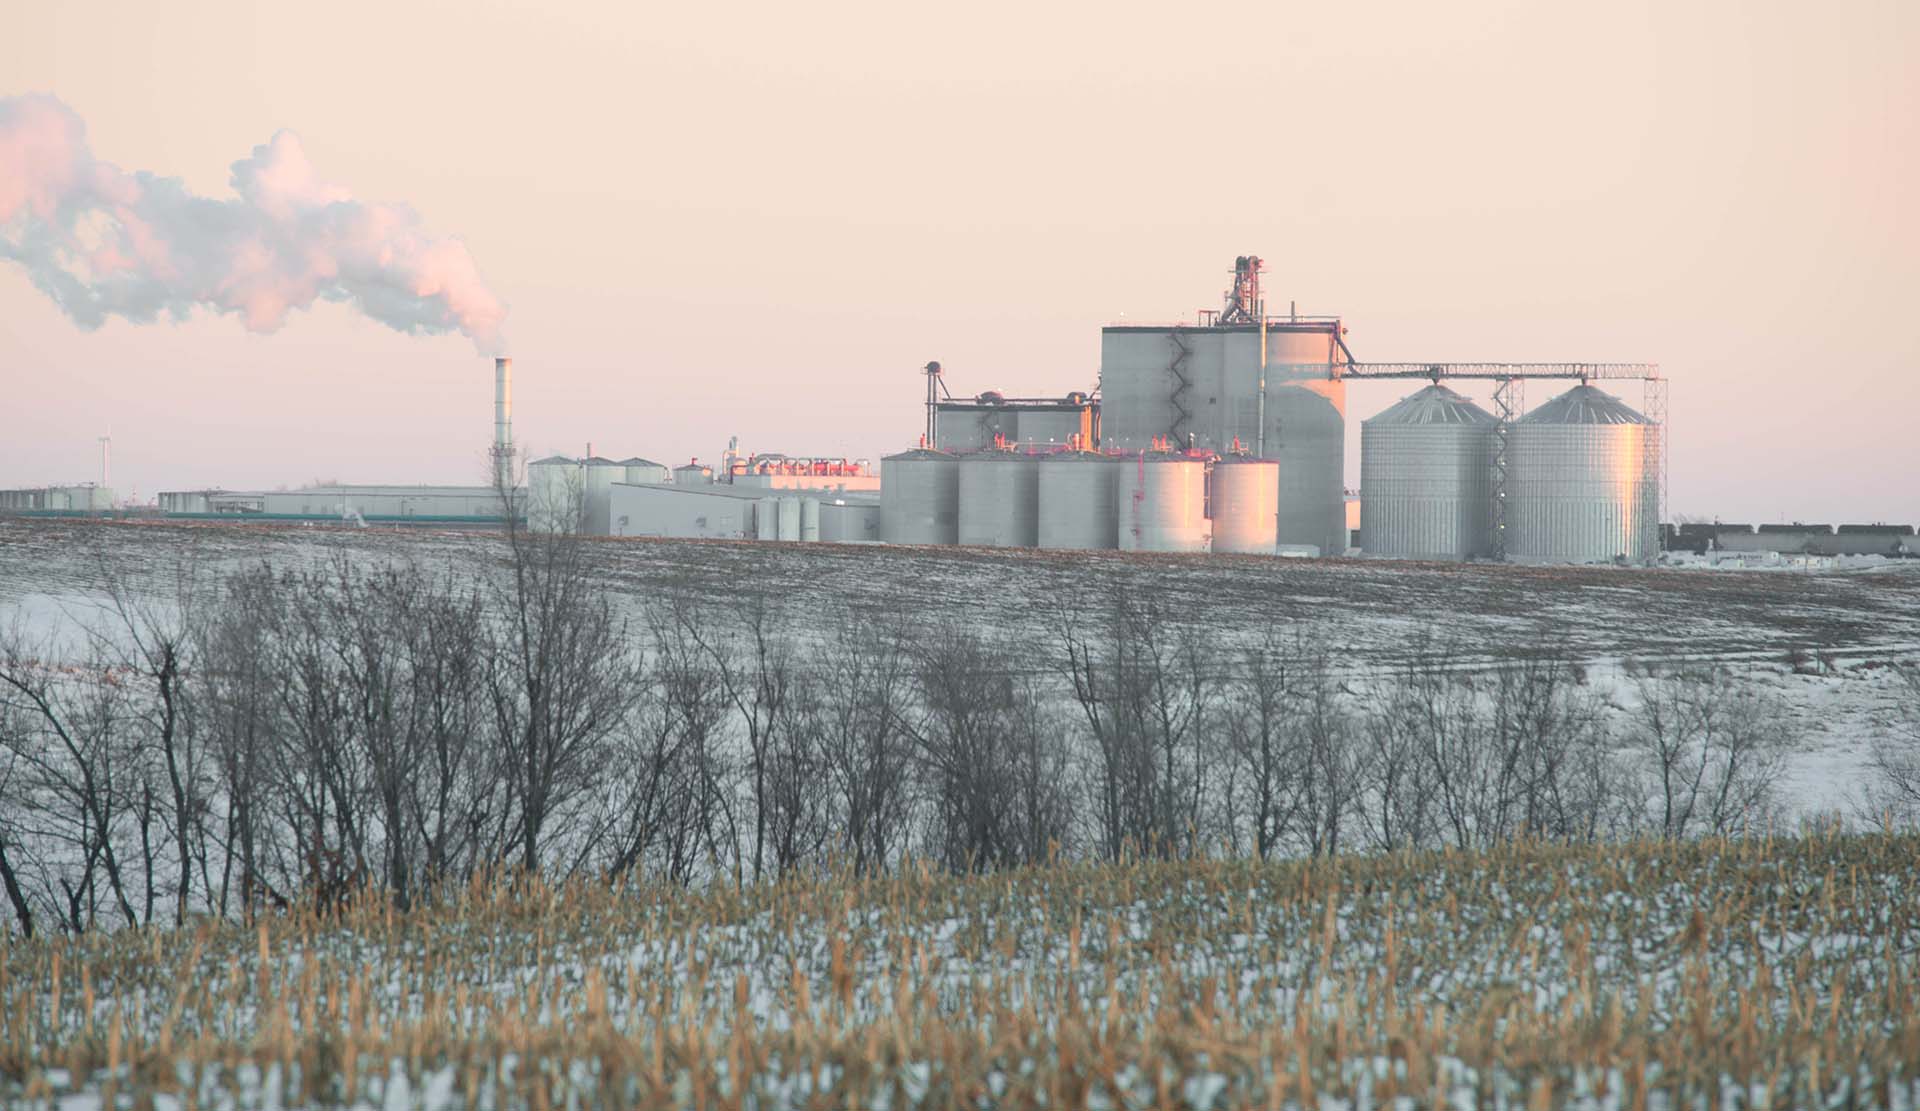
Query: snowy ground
point(1820, 637)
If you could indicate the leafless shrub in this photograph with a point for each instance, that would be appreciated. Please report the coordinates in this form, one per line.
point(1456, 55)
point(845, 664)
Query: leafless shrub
point(1893, 798)
point(1711, 751)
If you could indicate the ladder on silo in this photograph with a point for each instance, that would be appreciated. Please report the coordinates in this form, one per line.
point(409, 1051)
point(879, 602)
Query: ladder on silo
point(1509, 401)
point(1183, 385)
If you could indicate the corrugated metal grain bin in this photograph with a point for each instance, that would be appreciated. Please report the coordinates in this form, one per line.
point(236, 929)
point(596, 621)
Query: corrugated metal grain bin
point(1583, 482)
point(1426, 478)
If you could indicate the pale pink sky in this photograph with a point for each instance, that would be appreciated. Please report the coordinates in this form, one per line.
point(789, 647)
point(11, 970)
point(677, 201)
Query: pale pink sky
point(719, 219)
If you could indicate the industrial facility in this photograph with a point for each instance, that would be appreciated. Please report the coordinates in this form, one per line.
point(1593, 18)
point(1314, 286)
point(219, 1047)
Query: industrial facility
point(1224, 434)
point(1228, 434)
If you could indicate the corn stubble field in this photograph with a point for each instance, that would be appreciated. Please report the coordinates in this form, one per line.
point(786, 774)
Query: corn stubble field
point(1747, 973)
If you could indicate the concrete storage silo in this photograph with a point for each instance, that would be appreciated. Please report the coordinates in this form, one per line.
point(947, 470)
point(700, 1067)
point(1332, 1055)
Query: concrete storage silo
point(1160, 499)
point(810, 520)
point(789, 527)
point(766, 519)
point(643, 470)
point(1583, 481)
point(1199, 385)
point(999, 499)
point(554, 493)
point(1079, 498)
point(1426, 478)
point(920, 498)
point(1244, 504)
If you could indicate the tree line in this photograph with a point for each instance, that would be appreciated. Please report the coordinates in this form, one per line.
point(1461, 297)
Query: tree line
point(230, 743)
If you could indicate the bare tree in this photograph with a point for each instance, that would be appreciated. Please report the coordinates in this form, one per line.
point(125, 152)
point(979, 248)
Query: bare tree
point(859, 713)
point(1142, 686)
point(1712, 748)
point(1894, 797)
point(963, 740)
point(564, 678)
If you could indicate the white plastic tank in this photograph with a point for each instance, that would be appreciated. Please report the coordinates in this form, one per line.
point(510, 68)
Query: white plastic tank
point(1245, 504)
point(1426, 478)
point(1161, 503)
point(554, 490)
point(920, 498)
point(810, 520)
point(789, 528)
point(1078, 501)
point(1583, 481)
point(999, 499)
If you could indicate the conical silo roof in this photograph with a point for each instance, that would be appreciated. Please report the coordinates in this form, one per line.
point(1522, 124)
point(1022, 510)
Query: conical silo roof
point(1584, 404)
point(1434, 405)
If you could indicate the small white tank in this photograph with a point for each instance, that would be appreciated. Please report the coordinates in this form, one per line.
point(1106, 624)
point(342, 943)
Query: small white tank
point(999, 500)
point(1245, 506)
point(1161, 502)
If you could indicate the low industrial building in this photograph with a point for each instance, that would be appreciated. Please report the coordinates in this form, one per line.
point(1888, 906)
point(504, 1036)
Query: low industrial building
point(84, 498)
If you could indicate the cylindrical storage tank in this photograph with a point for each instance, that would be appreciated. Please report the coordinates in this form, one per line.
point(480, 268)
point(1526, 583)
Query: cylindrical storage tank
point(644, 471)
point(554, 494)
point(692, 474)
point(1160, 499)
point(920, 498)
point(1426, 478)
point(1583, 481)
point(597, 478)
point(1078, 501)
point(1000, 500)
point(1245, 505)
point(810, 520)
point(789, 519)
point(766, 519)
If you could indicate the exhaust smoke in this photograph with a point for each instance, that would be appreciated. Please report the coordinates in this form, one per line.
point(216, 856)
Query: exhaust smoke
point(103, 242)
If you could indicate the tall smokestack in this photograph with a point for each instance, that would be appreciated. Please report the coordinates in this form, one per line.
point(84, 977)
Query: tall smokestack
point(503, 423)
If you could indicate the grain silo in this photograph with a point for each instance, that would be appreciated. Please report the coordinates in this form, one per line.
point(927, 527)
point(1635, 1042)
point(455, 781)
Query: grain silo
point(1078, 494)
point(1160, 499)
point(1426, 478)
point(920, 498)
point(999, 499)
point(1199, 386)
point(1583, 481)
point(1244, 504)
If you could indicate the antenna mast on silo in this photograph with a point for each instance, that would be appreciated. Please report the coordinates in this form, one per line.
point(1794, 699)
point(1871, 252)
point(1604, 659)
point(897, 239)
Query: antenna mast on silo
point(935, 387)
point(1246, 306)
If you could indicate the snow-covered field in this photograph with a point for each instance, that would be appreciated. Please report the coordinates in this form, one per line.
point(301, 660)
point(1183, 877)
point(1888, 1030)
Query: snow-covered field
point(1744, 974)
point(1820, 639)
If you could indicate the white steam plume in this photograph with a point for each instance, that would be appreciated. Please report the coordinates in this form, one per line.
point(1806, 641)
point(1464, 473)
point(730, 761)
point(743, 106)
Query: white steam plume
point(103, 242)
